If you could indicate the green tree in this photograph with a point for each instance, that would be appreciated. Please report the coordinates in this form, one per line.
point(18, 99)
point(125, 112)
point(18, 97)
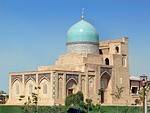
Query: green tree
point(2, 92)
point(89, 104)
point(75, 101)
point(143, 93)
point(31, 105)
point(27, 108)
point(118, 94)
point(3, 97)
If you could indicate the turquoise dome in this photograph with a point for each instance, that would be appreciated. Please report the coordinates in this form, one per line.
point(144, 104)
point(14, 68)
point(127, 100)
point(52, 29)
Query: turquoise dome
point(82, 31)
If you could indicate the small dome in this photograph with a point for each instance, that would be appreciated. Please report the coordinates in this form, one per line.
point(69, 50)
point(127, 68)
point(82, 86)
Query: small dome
point(82, 31)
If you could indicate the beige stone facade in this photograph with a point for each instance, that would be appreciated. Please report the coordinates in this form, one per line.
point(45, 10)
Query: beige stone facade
point(73, 72)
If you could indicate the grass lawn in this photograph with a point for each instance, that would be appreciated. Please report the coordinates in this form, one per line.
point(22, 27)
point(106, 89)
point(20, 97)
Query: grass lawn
point(104, 109)
point(121, 109)
point(10, 109)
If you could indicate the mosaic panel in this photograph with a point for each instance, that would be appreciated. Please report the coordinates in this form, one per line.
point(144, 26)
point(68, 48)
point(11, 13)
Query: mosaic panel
point(54, 85)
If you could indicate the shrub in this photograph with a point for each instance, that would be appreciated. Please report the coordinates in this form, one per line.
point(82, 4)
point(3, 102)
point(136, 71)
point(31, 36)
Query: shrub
point(75, 100)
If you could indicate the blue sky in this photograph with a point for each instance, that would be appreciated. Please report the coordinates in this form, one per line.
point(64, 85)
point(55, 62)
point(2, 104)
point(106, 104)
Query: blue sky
point(33, 32)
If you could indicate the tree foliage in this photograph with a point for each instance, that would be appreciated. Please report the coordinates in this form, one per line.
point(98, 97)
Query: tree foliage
point(118, 92)
point(30, 104)
point(75, 99)
point(2, 92)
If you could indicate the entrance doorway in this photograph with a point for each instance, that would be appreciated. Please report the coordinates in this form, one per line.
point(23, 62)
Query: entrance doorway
point(105, 78)
point(70, 92)
point(102, 97)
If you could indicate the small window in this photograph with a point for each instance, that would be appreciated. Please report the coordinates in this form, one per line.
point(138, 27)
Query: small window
point(106, 61)
point(100, 51)
point(117, 49)
point(134, 90)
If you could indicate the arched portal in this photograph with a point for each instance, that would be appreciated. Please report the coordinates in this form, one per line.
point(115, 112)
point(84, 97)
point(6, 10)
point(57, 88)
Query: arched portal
point(71, 87)
point(105, 78)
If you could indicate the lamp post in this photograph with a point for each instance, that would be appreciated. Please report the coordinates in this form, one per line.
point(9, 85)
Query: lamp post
point(144, 94)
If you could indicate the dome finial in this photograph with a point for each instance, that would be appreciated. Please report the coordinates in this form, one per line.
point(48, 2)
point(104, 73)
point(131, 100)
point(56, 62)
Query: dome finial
point(82, 14)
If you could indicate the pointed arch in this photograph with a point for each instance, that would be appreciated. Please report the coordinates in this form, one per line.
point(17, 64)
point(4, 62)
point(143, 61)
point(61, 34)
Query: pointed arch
point(71, 86)
point(71, 79)
point(30, 86)
point(44, 78)
point(16, 88)
point(15, 81)
point(105, 78)
point(105, 73)
point(44, 85)
point(29, 79)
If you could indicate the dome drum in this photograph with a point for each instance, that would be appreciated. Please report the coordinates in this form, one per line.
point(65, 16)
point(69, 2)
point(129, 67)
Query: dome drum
point(82, 42)
point(83, 48)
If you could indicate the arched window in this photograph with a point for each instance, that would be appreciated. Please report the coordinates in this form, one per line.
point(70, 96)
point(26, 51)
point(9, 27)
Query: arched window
point(117, 49)
point(30, 89)
point(124, 62)
point(44, 88)
point(106, 61)
point(17, 89)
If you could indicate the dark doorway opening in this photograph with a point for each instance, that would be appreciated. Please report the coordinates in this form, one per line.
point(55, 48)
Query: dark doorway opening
point(70, 92)
point(102, 97)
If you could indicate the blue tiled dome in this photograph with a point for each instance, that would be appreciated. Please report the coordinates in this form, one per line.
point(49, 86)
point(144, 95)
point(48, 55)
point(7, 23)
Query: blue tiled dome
point(82, 31)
